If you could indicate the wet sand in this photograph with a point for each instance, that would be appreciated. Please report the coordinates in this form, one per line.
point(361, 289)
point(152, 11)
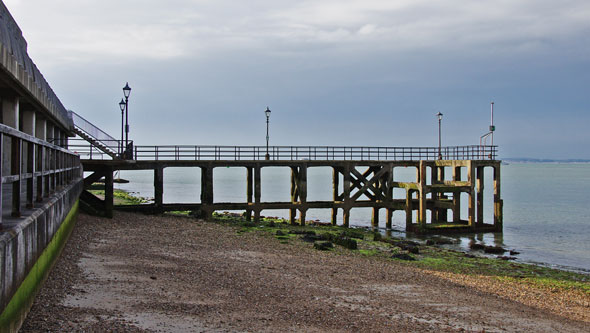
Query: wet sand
point(138, 273)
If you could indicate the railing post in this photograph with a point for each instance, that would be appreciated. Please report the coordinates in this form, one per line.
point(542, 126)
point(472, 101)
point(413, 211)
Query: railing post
point(31, 169)
point(17, 171)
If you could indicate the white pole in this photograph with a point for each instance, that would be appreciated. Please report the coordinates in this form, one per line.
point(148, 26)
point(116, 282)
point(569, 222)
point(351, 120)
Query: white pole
point(492, 107)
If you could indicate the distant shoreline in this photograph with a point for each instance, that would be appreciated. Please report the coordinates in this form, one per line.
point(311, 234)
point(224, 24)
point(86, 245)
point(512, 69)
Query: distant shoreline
point(539, 160)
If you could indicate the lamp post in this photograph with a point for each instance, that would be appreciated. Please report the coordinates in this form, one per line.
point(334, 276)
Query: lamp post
point(267, 113)
point(439, 115)
point(122, 105)
point(126, 92)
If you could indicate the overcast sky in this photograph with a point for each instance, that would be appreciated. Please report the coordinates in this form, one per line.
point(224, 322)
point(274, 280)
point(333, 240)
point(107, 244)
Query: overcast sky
point(368, 72)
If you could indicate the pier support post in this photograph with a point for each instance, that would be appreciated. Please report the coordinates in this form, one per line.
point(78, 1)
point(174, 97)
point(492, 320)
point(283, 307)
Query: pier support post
point(159, 189)
point(257, 193)
point(249, 192)
point(302, 186)
point(335, 192)
point(422, 195)
point(375, 217)
point(457, 196)
point(498, 203)
point(346, 191)
point(294, 195)
point(442, 212)
point(409, 209)
point(471, 180)
point(207, 192)
point(434, 212)
point(480, 188)
point(389, 218)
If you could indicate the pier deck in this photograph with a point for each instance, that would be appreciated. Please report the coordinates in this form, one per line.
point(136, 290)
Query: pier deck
point(356, 183)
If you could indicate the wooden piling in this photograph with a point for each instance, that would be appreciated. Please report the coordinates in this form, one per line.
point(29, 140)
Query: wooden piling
point(257, 192)
point(249, 192)
point(498, 203)
point(302, 187)
point(294, 195)
point(472, 194)
point(457, 196)
point(335, 193)
point(375, 217)
point(207, 192)
point(159, 188)
point(346, 195)
point(480, 188)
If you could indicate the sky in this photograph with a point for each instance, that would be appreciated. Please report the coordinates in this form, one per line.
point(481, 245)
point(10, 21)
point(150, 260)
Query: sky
point(333, 72)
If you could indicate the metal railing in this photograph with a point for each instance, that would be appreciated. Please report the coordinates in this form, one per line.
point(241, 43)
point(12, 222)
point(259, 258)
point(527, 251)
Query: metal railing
point(44, 168)
point(187, 152)
point(96, 133)
point(87, 150)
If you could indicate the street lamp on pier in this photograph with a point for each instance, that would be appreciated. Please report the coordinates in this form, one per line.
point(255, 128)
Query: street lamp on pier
point(267, 113)
point(122, 106)
point(439, 115)
point(126, 92)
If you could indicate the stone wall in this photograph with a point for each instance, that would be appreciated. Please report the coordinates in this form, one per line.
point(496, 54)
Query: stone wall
point(28, 251)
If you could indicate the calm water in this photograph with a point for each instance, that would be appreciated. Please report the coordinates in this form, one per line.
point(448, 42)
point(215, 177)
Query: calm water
point(546, 206)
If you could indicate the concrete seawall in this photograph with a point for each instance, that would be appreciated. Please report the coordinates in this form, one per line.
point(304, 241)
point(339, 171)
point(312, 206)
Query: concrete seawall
point(28, 251)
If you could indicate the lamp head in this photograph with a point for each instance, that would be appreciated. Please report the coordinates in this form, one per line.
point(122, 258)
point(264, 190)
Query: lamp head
point(122, 105)
point(267, 112)
point(126, 90)
point(439, 115)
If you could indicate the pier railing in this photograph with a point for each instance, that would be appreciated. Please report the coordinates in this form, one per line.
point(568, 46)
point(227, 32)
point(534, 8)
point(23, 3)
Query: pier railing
point(330, 153)
point(34, 170)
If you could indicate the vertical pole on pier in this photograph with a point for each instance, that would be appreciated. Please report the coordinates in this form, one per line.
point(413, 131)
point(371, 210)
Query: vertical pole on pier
point(422, 195)
point(159, 188)
point(480, 186)
point(294, 194)
point(249, 192)
point(471, 180)
point(257, 190)
point(346, 190)
point(108, 192)
point(457, 196)
point(335, 194)
point(302, 186)
point(17, 171)
point(498, 203)
point(207, 191)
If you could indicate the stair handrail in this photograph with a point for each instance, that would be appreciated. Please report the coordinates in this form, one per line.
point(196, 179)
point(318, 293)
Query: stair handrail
point(94, 132)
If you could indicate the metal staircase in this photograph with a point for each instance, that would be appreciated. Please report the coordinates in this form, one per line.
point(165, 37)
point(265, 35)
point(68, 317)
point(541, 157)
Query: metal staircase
point(95, 136)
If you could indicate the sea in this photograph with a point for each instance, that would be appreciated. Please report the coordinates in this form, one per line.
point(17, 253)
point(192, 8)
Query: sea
point(546, 205)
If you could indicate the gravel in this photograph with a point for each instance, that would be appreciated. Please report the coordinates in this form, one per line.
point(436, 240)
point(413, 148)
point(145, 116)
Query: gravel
point(140, 273)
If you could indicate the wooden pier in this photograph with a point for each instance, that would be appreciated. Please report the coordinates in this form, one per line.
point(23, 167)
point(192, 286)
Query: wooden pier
point(356, 183)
